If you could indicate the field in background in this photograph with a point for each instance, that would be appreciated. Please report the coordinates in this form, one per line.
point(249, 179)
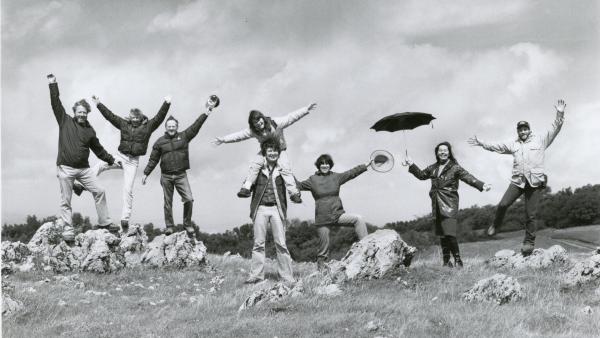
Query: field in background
point(151, 303)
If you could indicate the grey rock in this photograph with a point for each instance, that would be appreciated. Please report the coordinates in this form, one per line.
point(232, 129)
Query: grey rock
point(499, 288)
point(174, 250)
point(539, 258)
point(372, 257)
point(272, 294)
point(331, 290)
point(133, 245)
point(583, 273)
point(97, 252)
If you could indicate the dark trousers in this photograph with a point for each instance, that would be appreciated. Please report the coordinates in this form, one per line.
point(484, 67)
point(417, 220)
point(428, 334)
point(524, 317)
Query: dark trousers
point(532, 199)
point(180, 182)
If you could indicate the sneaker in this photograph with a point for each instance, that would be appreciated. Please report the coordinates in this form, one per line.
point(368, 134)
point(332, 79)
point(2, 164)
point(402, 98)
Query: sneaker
point(253, 280)
point(77, 188)
point(296, 198)
point(527, 249)
point(491, 231)
point(169, 230)
point(458, 262)
point(68, 233)
point(448, 264)
point(244, 193)
point(124, 227)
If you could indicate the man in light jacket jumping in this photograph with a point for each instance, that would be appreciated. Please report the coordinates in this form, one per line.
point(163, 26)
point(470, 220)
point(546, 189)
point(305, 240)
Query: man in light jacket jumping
point(528, 176)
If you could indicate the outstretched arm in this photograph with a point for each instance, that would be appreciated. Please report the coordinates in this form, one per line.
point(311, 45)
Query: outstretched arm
point(234, 137)
point(100, 152)
point(352, 173)
point(57, 107)
point(557, 125)
point(501, 148)
point(158, 119)
point(304, 185)
point(193, 130)
point(469, 179)
point(418, 173)
point(115, 120)
point(293, 117)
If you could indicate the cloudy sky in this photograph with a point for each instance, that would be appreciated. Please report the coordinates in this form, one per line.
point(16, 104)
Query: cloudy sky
point(478, 66)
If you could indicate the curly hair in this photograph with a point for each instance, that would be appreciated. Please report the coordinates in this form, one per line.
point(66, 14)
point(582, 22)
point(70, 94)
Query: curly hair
point(84, 104)
point(270, 142)
point(324, 158)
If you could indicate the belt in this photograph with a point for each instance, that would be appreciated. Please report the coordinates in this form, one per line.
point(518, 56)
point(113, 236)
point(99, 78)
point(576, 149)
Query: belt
point(269, 204)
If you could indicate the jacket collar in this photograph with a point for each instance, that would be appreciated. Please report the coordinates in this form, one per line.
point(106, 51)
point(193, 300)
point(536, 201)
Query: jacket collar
point(265, 168)
point(447, 167)
point(169, 136)
point(319, 173)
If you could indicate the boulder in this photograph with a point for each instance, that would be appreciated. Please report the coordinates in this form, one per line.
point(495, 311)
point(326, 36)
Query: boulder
point(48, 235)
point(272, 294)
point(9, 304)
point(174, 250)
point(583, 273)
point(133, 245)
point(372, 257)
point(499, 288)
point(14, 254)
point(539, 258)
point(96, 250)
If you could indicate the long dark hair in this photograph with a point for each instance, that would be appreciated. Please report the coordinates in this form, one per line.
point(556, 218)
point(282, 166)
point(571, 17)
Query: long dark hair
point(450, 153)
point(254, 116)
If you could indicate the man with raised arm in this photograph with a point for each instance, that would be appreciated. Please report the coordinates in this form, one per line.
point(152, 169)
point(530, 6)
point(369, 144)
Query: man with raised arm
point(136, 130)
point(171, 150)
point(528, 177)
point(75, 139)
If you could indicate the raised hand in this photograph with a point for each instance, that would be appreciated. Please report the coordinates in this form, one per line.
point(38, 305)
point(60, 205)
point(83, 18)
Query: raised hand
point(407, 161)
point(474, 141)
point(560, 106)
point(96, 100)
point(487, 187)
point(168, 99)
point(51, 78)
point(217, 142)
point(312, 106)
point(369, 163)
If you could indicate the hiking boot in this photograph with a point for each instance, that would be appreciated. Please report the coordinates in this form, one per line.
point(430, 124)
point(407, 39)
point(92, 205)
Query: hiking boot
point(491, 231)
point(124, 227)
point(296, 198)
point(527, 249)
point(244, 193)
point(169, 230)
point(77, 188)
point(458, 262)
point(190, 231)
point(112, 228)
point(321, 267)
point(68, 233)
point(253, 280)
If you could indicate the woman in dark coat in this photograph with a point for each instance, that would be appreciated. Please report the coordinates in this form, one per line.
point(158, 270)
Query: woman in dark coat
point(325, 188)
point(445, 175)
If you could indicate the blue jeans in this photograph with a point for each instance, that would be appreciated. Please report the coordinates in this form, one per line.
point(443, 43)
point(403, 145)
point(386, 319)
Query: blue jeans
point(180, 182)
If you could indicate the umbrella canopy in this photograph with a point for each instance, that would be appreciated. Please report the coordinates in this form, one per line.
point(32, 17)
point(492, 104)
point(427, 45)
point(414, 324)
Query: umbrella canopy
point(402, 121)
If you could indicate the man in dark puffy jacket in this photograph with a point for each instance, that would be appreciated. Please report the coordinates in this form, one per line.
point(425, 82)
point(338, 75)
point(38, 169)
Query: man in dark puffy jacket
point(76, 138)
point(171, 150)
point(135, 134)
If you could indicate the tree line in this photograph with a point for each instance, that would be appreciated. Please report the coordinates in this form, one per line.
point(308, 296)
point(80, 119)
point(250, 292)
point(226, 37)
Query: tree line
point(565, 208)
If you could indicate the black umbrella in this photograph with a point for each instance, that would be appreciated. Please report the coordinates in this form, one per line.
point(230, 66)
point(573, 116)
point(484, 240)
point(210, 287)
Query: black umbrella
point(403, 121)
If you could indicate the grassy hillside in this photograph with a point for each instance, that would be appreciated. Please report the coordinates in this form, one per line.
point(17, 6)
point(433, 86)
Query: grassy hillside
point(194, 303)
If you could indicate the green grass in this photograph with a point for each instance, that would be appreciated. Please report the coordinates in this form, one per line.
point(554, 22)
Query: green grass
point(430, 306)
